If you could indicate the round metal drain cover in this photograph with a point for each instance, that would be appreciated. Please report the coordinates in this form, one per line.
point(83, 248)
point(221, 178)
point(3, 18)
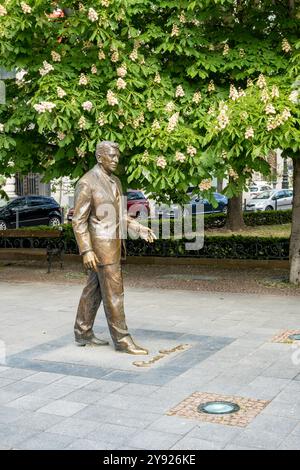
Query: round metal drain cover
point(218, 407)
point(295, 337)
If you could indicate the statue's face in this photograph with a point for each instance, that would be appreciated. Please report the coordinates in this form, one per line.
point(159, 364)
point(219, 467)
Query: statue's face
point(109, 159)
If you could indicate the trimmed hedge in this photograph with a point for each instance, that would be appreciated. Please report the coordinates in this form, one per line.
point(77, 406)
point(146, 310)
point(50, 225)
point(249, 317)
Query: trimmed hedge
point(232, 247)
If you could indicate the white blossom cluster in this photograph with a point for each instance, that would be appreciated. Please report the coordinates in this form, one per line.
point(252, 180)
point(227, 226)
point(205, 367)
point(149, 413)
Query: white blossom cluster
point(269, 109)
point(87, 106)
point(226, 49)
point(101, 120)
point(44, 106)
point(122, 71)
point(1, 127)
point(101, 55)
point(83, 80)
point(233, 174)
point(56, 57)
point(46, 68)
point(111, 98)
point(242, 53)
point(276, 121)
point(82, 123)
point(170, 106)
point(222, 118)
point(197, 97)
point(3, 10)
point(92, 15)
point(121, 84)
point(173, 121)
point(235, 94)
point(157, 78)
point(114, 54)
point(294, 96)
point(249, 82)
point(150, 104)
point(60, 92)
point(285, 45)
point(205, 185)
point(161, 162)
point(139, 120)
point(182, 17)
point(94, 69)
point(81, 153)
point(155, 125)
point(211, 86)
point(25, 8)
point(179, 93)
point(61, 135)
point(264, 96)
point(249, 133)
point(21, 74)
point(175, 30)
point(261, 81)
point(105, 3)
point(191, 151)
point(275, 91)
point(180, 157)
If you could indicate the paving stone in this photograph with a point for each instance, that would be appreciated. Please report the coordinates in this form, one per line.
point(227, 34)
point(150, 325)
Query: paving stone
point(62, 408)
point(4, 382)
point(15, 373)
point(11, 435)
point(21, 388)
point(111, 433)
point(153, 440)
point(88, 444)
point(43, 377)
point(45, 441)
point(275, 424)
point(38, 421)
point(78, 428)
point(83, 395)
point(74, 381)
point(53, 391)
point(28, 402)
point(9, 415)
point(173, 425)
point(261, 439)
point(287, 410)
point(104, 386)
point(137, 390)
point(191, 443)
point(292, 442)
point(214, 432)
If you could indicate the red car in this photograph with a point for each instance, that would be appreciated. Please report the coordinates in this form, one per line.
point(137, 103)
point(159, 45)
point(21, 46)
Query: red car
point(137, 205)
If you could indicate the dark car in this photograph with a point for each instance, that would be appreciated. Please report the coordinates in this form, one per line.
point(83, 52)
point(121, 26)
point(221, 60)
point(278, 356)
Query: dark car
point(137, 205)
point(197, 205)
point(27, 211)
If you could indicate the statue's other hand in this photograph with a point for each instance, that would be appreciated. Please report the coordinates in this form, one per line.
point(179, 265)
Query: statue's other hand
point(90, 260)
point(147, 234)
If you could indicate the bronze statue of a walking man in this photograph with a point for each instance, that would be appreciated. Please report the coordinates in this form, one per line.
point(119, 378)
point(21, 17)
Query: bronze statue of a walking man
point(99, 223)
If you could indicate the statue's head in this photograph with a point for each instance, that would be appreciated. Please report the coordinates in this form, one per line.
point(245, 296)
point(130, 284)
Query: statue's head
point(108, 154)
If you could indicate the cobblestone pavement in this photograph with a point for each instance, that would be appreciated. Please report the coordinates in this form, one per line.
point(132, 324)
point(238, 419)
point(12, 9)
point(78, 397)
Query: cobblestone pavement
point(54, 395)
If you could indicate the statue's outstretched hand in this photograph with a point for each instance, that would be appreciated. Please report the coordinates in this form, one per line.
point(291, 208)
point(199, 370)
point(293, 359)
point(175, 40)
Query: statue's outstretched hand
point(90, 260)
point(147, 234)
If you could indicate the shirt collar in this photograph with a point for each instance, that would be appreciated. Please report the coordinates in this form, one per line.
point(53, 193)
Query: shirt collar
point(102, 172)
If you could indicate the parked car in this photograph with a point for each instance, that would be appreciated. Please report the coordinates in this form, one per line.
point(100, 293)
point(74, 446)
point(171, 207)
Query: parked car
point(30, 210)
point(280, 199)
point(258, 187)
point(137, 205)
point(196, 205)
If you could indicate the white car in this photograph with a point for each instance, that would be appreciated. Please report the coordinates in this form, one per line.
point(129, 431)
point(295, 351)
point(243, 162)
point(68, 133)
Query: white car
point(280, 199)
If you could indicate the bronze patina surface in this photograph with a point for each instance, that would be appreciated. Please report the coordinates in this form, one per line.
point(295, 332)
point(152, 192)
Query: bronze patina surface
point(100, 224)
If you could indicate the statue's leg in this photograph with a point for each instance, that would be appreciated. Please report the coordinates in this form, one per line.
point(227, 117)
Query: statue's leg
point(88, 306)
point(111, 284)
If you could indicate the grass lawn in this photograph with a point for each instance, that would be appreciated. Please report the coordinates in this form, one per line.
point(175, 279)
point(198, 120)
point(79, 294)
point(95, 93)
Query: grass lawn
point(283, 230)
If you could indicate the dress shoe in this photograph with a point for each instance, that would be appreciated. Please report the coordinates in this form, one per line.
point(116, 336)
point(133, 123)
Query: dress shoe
point(127, 345)
point(91, 340)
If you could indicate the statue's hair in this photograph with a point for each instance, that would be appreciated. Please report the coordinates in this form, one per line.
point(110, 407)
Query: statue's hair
point(104, 144)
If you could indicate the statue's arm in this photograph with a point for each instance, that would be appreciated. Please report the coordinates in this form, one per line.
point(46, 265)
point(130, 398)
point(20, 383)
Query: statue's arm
point(82, 208)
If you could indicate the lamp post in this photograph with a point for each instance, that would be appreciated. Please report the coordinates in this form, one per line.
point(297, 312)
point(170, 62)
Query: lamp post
point(285, 174)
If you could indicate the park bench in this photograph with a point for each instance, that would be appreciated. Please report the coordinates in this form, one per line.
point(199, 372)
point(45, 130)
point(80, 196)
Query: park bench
point(49, 242)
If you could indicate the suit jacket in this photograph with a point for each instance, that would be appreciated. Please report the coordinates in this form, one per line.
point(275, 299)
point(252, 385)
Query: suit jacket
point(100, 220)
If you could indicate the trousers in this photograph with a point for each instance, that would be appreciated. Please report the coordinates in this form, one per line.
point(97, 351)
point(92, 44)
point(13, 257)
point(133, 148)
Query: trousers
point(104, 285)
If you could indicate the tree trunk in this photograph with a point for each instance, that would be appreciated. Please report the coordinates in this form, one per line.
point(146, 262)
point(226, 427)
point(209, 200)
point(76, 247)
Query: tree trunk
point(295, 234)
point(219, 185)
point(235, 220)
